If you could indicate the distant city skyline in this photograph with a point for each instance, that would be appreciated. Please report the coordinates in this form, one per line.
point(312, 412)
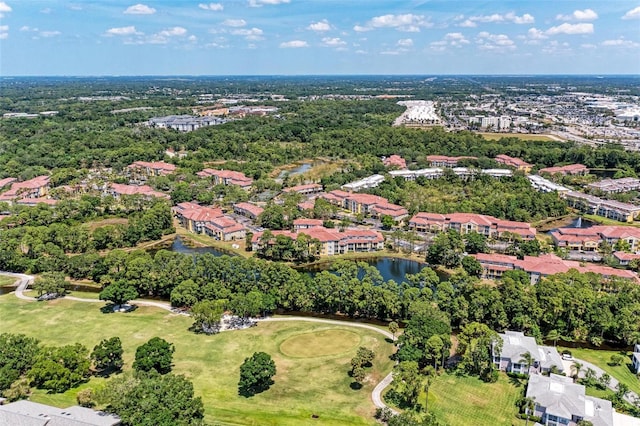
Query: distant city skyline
point(318, 37)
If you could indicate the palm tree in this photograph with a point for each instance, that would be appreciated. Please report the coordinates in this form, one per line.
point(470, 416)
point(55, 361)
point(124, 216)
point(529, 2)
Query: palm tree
point(554, 335)
point(577, 367)
point(527, 359)
point(430, 373)
point(529, 405)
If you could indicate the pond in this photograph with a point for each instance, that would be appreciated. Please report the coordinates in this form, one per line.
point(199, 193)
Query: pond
point(304, 167)
point(390, 268)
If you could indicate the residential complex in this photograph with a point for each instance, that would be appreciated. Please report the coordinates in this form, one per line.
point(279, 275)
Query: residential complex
point(117, 190)
point(227, 177)
point(208, 220)
point(184, 123)
point(140, 171)
point(365, 204)
point(37, 187)
point(249, 210)
point(366, 183)
point(331, 241)
point(488, 226)
point(394, 161)
point(537, 267)
point(516, 163)
point(544, 185)
point(561, 402)
point(590, 204)
point(308, 189)
point(446, 161)
point(615, 185)
point(589, 239)
point(515, 344)
point(461, 172)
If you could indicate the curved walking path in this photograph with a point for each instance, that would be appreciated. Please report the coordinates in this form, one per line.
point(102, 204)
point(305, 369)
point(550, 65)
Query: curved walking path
point(376, 395)
point(629, 396)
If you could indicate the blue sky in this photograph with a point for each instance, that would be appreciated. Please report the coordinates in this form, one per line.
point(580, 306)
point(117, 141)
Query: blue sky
point(253, 37)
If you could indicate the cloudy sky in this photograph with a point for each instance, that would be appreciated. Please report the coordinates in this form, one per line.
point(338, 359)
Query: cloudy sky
point(253, 37)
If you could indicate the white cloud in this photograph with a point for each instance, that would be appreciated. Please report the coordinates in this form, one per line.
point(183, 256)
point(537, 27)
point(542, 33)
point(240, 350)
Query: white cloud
point(294, 44)
point(27, 28)
point(49, 34)
point(534, 36)
point(499, 18)
point(4, 31)
point(260, 3)
point(579, 15)
point(360, 28)
point(249, 33)
point(588, 46)
point(216, 7)
point(333, 42)
point(620, 42)
point(235, 23)
point(46, 10)
point(173, 32)
point(571, 29)
point(320, 26)
point(407, 22)
point(140, 9)
point(468, 23)
point(494, 42)
point(4, 8)
point(123, 31)
point(405, 42)
point(632, 14)
point(192, 38)
point(554, 47)
point(449, 40)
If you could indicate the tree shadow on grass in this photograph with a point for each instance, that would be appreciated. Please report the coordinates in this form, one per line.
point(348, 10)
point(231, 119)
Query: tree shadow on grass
point(355, 385)
point(516, 381)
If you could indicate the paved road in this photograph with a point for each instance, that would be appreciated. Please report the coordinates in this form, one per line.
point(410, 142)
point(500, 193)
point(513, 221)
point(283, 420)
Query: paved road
point(629, 397)
point(376, 395)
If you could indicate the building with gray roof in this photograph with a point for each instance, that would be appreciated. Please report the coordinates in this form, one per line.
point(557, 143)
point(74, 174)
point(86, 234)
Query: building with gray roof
point(635, 359)
point(515, 344)
point(560, 402)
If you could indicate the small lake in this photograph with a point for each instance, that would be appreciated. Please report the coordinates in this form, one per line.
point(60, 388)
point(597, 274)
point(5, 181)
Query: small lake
point(390, 268)
point(304, 167)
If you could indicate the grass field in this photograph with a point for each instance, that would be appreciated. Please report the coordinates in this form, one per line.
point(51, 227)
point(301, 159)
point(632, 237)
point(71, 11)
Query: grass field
point(601, 359)
point(606, 221)
point(523, 136)
point(308, 380)
point(463, 400)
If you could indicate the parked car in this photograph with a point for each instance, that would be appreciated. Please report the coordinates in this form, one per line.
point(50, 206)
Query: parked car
point(567, 357)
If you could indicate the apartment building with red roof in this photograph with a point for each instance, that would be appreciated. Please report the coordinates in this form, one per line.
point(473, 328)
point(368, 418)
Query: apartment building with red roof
point(247, 210)
point(365, 204)
point(6, 181)
point(571, 169)
point(516, 163)
point(486, 225)
point(308, 189)
point(588, 239)
point(208, 220)
point(140, 171)
point(333, 242)
point(227, 177)
point(537, 267)
point(446, 161)
point(395, 161)
point(302, 223)
point(37, 187)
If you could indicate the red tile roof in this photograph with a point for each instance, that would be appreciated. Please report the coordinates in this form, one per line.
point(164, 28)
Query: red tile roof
point(302, 188)
point(251, 208)
point(155, 165)
point(121, 189)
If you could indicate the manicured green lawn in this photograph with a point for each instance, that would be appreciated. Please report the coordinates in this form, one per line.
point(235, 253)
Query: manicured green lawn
point(464, 400)
point(311, 382)
point(601, 359)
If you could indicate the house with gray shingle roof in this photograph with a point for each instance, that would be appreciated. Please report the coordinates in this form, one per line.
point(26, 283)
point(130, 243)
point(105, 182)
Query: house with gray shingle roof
point(560, 402)
point(635, 358)
point(515, 344)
